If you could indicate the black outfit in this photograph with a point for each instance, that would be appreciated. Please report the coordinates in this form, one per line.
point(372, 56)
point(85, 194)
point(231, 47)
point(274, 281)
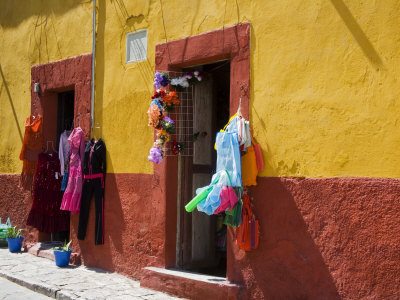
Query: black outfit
point(94, 172)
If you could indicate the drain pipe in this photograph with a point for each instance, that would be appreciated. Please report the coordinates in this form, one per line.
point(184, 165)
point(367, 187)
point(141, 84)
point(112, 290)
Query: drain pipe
point(93, 61)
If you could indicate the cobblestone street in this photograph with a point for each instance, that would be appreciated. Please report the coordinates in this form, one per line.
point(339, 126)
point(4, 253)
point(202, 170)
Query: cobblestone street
point(74, 282)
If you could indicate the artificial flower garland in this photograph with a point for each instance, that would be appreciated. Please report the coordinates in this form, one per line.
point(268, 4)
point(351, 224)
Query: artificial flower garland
point(162, 102)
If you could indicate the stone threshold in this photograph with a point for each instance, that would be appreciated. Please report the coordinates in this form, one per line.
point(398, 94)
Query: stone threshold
point(188, 284)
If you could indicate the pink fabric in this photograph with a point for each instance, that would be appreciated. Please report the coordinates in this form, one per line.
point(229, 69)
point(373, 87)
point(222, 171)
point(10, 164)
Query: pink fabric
point(94, 176)
point(72, 196)
point(228, 199)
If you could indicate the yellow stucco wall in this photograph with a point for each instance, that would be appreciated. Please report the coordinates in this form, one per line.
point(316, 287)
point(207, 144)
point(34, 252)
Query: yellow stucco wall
point(324, 75)
point(33, 32)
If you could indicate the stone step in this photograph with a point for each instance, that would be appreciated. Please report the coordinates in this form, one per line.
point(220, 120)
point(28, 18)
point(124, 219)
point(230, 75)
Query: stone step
point(190, 285)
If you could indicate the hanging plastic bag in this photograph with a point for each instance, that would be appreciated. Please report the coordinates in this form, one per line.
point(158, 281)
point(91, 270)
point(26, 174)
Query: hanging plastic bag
point(212, 201)
point(228, 198)
point(249, 167)
point(228, 156)
point(202, 194)
point(233, 217)
point(248, 231)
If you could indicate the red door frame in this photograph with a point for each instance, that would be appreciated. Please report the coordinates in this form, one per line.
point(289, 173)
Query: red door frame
point(73, 73)
point(230, 43)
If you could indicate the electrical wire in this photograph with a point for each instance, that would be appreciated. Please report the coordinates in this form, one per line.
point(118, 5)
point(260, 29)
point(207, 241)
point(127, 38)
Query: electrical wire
point(165, 32)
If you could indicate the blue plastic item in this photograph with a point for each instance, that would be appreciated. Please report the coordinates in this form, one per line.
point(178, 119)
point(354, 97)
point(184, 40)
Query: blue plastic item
point(15, 245)
point(62, 257)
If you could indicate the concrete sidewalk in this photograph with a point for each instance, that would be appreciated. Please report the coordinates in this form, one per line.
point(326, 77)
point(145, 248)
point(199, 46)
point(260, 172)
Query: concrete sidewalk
point(73, 282)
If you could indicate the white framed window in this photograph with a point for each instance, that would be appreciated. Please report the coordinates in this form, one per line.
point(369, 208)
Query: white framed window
point(136, 46)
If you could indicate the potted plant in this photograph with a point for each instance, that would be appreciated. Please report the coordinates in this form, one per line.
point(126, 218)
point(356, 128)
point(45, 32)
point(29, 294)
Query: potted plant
point(62, 254)
point(14, 239)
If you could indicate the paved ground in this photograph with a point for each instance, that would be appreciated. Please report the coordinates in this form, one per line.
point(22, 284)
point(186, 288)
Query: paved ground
point(43, 276)
point(13, 291)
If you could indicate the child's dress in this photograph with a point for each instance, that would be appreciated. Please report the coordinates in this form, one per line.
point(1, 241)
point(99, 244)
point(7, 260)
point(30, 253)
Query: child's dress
point(72, 196)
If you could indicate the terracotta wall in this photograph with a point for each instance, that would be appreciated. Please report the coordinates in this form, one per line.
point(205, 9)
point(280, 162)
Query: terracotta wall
point(134, 229)
point(332, 238)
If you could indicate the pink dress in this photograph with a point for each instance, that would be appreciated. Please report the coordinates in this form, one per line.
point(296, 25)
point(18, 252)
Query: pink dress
point(72, 196)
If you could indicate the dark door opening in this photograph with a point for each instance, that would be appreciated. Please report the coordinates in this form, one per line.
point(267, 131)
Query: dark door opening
point(65, 119)
point(201, 244)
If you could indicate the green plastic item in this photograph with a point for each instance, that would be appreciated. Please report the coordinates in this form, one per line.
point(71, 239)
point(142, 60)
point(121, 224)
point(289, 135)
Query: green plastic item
point(200, 197)
point(196, 200)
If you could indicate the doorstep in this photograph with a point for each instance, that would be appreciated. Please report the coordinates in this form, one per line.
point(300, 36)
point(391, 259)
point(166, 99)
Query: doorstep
point(190, 285)
point(45, 250)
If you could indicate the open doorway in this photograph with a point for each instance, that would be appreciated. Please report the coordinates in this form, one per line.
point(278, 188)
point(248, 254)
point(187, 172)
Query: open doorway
point(65, 119)
point(201, 239)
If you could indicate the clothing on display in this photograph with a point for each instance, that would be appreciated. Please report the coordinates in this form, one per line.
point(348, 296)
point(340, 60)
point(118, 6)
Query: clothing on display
point(94, 170)
point(64, 182)
point(72, 195)
point(45, 214)
point(31, 147)
point(63, 150)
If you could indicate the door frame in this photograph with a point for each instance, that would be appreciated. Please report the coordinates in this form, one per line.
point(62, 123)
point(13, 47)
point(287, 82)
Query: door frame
point(231, 43)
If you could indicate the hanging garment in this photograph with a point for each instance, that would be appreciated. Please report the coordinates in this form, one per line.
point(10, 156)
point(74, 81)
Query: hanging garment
point(72, 196)
point(94, 170)
point(64, 182)
point(31, 147)
point(63, 151)
point(45, 214)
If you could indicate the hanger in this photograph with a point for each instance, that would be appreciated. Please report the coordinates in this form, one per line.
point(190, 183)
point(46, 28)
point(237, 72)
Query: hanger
point(96, 136)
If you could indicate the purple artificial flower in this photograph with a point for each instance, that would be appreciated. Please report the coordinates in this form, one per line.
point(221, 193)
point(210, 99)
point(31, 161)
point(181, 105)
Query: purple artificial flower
point(164, 81)
point(196, 73)
point(169, 120)
point(155, 155)
point(160, 80)
point(157, 80)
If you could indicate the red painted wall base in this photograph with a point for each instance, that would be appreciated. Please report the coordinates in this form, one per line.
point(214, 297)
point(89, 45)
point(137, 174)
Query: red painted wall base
point(327, 238)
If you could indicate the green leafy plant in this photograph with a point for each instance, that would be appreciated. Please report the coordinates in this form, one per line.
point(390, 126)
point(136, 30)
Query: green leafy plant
point(14, 233)
point(64, 247)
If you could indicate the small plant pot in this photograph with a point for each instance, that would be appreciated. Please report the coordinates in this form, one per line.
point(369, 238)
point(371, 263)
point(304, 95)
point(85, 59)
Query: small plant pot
point(62, 257)
point(14, 245)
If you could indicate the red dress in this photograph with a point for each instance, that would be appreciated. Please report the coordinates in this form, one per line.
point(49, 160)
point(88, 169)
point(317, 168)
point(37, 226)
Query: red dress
point(45, 214)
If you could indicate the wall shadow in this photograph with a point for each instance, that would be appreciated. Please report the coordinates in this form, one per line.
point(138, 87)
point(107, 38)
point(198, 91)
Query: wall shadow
point(288, 264)
point(11, 103)
point(29, 8)
point(356, 31)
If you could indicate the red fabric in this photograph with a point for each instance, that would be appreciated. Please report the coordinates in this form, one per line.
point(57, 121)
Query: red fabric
point(248, 231)
point(45, 214)
point(31, 147)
